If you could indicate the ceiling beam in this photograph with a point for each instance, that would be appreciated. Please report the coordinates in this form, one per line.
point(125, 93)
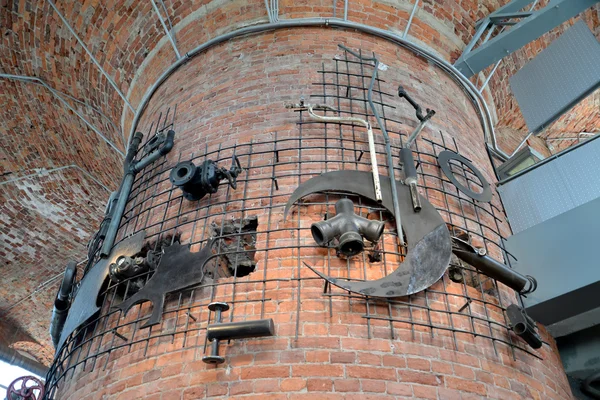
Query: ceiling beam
point(527, 30)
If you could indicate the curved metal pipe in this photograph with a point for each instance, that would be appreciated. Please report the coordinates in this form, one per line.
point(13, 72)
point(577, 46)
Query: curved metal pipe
point(370, 138)
point(386, 139)
point(476, 97)
point(17, 359)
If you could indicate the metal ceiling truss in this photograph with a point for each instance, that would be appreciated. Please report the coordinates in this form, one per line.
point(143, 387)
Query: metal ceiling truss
point(168, 29)
point(526, 27)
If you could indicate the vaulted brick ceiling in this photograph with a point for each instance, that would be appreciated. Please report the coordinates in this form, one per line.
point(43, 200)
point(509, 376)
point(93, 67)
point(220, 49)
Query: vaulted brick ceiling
point(48, 218)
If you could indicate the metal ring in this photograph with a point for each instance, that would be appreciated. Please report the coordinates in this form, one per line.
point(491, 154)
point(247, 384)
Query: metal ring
point(444, 159)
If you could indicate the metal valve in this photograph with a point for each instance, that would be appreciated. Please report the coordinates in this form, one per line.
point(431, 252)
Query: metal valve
point(198, 181)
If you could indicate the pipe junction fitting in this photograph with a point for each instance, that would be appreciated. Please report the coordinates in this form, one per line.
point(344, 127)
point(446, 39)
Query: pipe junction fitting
point(348, 228)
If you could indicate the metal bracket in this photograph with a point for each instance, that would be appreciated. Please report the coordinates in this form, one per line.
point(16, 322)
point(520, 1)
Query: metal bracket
point(530, 26)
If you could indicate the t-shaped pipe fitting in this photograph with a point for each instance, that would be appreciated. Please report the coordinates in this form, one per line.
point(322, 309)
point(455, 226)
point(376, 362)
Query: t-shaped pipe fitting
point(348, 228)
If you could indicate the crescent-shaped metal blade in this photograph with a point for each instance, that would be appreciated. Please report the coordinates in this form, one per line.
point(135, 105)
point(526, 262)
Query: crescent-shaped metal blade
point(429, 244)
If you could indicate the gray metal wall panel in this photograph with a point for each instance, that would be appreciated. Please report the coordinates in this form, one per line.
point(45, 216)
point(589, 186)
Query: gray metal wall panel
point(562, 254)
point(551, 189)
point(559, 77)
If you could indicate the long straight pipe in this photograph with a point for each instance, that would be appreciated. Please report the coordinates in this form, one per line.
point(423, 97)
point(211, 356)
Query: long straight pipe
point(124, 192)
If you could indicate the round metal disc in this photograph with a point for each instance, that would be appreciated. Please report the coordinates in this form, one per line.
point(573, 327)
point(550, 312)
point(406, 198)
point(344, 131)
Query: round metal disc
point(444, 159)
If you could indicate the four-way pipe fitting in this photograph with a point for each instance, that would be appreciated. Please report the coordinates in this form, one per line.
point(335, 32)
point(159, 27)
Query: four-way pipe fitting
point(348, 228)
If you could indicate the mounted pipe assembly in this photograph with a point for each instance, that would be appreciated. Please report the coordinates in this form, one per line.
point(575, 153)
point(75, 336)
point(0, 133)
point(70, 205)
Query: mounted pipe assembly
point(348, 228)
point(232, 330)
point(197, 181)
point(523, 326)
point(62, 303)
point(386, 138)
point(406, 157)
point(366, 124)
point(131, 169)
point(492, 268)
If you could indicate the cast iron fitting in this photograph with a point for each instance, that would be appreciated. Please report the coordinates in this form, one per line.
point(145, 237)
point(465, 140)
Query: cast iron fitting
point(494, 269)
point(198, 181)
point(523, 326)
point(169, 142)
point(348, 228)
point(132, 150)
point(418, 110)
point(62, 302)
point(240, 330)
point(127, 267)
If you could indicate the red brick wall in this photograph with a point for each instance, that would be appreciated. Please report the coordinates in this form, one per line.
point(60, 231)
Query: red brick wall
point(236, 92)
point(129, 43)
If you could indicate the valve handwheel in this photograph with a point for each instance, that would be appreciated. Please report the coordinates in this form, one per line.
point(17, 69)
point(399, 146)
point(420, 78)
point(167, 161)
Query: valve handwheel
point(26, 388)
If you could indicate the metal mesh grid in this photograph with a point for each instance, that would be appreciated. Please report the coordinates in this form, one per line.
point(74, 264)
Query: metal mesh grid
point(273, 168)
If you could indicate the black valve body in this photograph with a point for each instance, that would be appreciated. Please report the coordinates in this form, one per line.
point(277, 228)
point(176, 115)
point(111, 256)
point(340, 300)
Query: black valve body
point(198, 181)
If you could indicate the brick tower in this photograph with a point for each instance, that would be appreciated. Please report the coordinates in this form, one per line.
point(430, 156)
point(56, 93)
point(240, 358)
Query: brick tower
point(227, 100)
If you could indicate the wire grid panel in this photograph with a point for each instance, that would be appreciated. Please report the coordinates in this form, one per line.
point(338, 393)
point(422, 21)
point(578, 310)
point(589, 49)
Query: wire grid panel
point(281, 287)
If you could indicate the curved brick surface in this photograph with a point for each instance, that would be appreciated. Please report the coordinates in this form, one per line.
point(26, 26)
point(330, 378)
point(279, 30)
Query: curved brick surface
point(128, 41)
point(236, 92)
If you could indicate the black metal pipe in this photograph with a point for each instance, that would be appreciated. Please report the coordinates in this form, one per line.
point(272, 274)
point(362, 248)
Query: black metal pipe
point(131, 170)
point(418, 111)
point(492, 268)
point(15, 358)
point(524, 326)
point(240, 330)
point(124, 192)
point(496, 270)
point(410, 176)
point(62, 303)
point(132, 151)
point(156, 154)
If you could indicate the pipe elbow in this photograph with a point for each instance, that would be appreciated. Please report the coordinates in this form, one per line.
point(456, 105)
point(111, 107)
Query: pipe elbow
point(168, 145)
